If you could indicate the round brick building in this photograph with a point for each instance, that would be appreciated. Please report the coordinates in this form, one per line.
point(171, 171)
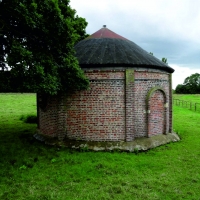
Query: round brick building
point(130, 95)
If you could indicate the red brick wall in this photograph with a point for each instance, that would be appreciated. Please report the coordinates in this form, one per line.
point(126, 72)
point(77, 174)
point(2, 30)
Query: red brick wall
point(48, 118)
point(144, 82)
point(113, 109)
point(157, 115)
point(98, 113)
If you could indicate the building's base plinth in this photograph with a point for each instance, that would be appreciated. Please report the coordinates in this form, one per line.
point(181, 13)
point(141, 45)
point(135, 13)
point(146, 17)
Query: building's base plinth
point(139, 144)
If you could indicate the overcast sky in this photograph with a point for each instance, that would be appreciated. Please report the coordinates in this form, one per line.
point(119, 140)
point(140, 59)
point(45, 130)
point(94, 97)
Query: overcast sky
point(167, 28)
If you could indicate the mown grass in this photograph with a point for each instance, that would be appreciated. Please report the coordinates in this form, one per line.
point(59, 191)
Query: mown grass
point(195, 98)
point(191, 102)
point(31, 170)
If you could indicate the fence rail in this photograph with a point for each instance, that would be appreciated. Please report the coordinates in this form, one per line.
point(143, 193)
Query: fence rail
point(187, 104)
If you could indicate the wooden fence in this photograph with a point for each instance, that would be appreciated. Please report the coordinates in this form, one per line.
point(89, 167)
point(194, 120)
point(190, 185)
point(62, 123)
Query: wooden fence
point(187, 104)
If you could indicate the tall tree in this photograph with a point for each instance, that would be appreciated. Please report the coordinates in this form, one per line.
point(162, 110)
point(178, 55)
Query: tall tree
point(37, 42)
point(181, 89)
point(191, 85)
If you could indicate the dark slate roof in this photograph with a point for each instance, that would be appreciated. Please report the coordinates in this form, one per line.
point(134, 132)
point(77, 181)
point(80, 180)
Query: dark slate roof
point(105, 48)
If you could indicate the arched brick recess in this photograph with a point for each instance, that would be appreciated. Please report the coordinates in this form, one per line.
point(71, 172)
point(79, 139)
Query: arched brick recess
point(156, 112)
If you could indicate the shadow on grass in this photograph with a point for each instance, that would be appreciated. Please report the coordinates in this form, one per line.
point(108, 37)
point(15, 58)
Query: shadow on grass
point(30, 119)
point(19, 148)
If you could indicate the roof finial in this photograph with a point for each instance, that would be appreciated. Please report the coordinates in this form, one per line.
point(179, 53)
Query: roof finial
point(104, 26)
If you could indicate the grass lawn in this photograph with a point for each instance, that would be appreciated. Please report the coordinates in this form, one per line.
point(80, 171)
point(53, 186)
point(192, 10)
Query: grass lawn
point(31, 170)
point(195, 98)
point(188, 101)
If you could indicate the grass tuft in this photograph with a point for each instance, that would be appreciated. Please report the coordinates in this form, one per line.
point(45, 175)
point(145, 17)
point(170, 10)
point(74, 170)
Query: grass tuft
point(31, 119)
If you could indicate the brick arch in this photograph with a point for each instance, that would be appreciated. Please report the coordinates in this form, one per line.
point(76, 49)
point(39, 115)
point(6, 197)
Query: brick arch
point(156, 111)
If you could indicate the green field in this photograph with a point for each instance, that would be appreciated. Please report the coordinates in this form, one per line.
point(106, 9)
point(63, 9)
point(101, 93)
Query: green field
point(191, 102)
point(31, 170)
point(195, 98)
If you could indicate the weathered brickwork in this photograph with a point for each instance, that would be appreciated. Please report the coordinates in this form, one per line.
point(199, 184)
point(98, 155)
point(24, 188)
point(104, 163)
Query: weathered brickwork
point(170, 104)
point(129, 119)
point(52, 117)
point(157, 114)
point(117, 106)
point(108, 74)
point(144, 82)
point(151, 75)
point(48, 117)
point(98, 114)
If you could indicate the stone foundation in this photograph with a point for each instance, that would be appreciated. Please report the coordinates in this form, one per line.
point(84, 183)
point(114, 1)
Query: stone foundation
point(139, 144)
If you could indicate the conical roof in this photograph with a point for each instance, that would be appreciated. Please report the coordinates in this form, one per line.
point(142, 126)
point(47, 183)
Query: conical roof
point(105, 48)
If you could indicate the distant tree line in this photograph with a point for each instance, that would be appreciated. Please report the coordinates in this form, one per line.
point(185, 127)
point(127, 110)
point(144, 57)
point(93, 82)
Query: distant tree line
point(191, 85)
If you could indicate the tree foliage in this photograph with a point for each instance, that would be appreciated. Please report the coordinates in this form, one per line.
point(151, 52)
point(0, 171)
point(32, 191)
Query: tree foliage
point(181, 89)
point(164, 60)
point(37, 42)
point(191, 85)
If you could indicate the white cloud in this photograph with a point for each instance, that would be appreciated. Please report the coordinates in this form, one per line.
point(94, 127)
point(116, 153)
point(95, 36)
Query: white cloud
point(168, 18)
point(181, 73)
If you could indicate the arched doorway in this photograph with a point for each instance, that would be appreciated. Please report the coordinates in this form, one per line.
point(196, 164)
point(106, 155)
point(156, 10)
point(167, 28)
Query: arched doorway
point(156, 119)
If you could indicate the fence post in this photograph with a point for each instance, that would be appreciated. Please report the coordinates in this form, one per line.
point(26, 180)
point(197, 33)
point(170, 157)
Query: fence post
point(184, 104)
